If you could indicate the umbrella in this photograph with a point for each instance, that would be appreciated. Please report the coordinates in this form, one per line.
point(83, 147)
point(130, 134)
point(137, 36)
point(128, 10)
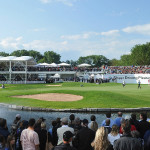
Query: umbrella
point(64, 64)
point(84, 65)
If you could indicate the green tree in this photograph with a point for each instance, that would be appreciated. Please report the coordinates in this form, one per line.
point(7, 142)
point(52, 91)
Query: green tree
point(20, 53)
point(4, 54)
point(94, 60)
point(125, 60)
point(36, 55)
point(114, 62)
point(50, 57)
point(140, 54)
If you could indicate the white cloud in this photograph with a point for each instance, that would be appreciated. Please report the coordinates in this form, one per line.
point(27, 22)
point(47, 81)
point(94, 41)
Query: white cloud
point(110, 33)
point(140, 29)
point(65, 2)
point(11, 42)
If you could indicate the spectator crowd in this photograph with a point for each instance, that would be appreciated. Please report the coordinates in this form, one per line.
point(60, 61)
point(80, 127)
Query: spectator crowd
point(121, 133)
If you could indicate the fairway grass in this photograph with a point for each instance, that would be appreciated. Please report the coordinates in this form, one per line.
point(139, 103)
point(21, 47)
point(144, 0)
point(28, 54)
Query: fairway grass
point(106, 95)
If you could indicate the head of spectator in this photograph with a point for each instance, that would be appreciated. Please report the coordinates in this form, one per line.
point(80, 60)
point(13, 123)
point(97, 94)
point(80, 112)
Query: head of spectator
point(31, 123)
point(114, 130)
point(126, 127)
point(93, 118)
point(84, 122)
point(25, 124)
point(94, 126)
point(67, 137)
point(108, 114)
point(107, 122)
point(10, 142)
point(43, 125)
point(58, 122)
point(133, 116)
point(18, 117)
point(119, 114)
point(72, 117)
point(64, 121)
point(77, 121)
point(143, 116)
point(101, 139)
point(3, 123)
point(2, 142)
point(135, 134)
point(54, 123)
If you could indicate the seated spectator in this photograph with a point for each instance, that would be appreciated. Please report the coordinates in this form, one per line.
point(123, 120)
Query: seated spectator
point(117, 121)
point(101, 141)
point(61, 130)
point(84, 137)
point(108, 116)
point(3, 128)
point(93, 124)
point(67, 138)
point(10, 142)
point(114, 134)
point(127, 142)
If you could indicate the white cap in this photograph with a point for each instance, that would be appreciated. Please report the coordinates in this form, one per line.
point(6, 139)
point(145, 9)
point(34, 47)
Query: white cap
point(18, 116)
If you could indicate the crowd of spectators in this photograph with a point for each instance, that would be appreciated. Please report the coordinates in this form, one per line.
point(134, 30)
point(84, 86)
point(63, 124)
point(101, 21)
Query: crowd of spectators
point(128, 69)
point(122, 133)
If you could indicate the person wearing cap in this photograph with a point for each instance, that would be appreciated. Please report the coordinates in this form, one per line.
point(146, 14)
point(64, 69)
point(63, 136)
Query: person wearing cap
point(117, 121)
point(67, 138)
point(84, 137)
point(62, 129)
point(17, 119)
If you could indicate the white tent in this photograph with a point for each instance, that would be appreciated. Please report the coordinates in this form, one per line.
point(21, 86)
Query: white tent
point(53, 65)
point(84, 65)
point(56, 76)
point(64, 64)
point(43, 64)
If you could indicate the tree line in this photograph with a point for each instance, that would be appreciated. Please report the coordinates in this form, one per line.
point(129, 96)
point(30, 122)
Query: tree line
point(139, 55)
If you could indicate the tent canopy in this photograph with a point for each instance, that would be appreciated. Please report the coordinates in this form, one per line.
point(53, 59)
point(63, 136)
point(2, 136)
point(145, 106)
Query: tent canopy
point(64, 64)
point(84, 65)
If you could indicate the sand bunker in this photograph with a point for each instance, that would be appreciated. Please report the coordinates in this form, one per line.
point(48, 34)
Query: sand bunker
point(53, 97)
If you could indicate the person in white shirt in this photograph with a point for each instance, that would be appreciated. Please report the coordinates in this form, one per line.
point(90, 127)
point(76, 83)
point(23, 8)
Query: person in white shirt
point(29, 138)
point(114, 134)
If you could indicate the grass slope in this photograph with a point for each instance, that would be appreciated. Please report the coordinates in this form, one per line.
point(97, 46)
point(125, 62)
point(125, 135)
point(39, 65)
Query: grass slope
point(108, 95)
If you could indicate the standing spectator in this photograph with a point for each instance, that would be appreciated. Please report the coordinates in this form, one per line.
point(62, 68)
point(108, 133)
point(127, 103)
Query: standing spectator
point(29, 138)
point(101, 141)
point(114, 134)
point(107, 126)
point(17, 119)
point(67, 138)
point(2, 143)
point(84, 137)
point(134, 121)
point(108, 116)
point(61, 130)
point(3, 128)
point(117, 121)
point(10, 143)
point(71, 123)
point(93, 124)
point(143, 124)
point(77, 125)
point(127, 142)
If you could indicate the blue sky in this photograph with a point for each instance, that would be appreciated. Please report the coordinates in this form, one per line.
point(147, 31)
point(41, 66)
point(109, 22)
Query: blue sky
point(74, 28)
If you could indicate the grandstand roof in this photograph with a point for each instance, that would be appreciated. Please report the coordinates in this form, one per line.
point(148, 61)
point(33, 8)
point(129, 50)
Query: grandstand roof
point(30, 60)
